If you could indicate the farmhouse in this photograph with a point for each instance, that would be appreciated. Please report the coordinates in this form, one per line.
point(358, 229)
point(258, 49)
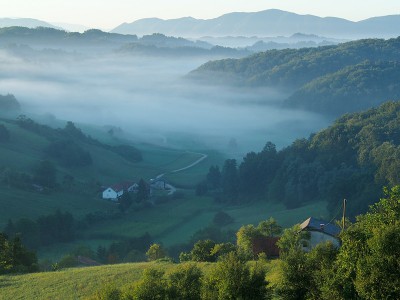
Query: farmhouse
point(117, 190)
point(320, 231)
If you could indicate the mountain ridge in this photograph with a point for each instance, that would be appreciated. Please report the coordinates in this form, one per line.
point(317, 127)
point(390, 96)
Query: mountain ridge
point(264, 23)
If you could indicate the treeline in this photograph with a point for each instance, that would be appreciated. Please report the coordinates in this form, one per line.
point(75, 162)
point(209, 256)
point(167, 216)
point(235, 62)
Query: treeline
point(9, 104)
point(14, 257)
point(365, 266)
point(46, 230)
point(353, 88)
point(321, 79)
point(351, 159)
point(67, 144)
point(230, 278)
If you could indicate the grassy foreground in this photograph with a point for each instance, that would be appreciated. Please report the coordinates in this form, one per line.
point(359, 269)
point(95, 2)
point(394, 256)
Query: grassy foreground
point(81, 283)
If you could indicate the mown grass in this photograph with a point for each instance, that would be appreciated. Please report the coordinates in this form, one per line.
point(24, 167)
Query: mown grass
point(74, 283)
point(82, 283)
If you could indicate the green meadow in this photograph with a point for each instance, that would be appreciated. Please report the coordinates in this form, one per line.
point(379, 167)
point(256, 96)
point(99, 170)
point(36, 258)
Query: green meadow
point(82, 283)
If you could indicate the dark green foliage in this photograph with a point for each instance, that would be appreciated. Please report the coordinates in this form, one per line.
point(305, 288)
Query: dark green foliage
point(366, 266)
point(4, 134)
point(353, 88)
point(67, 143)
point(128, 152)
point(214, 178)
point(185, 283)
point(201, 188)
point(230, 182)
point(155, 252)
point(143, 192)
point(16, 179)
point(109, 292)
point(133, 249)
point(296, 67)
point(152, 286)
point(351, 159)
point(220, 250)
point(331, 80)
point(8, 104)
point(125, 201)
point(14, 257)
point(202, 251)
point(68, 153)
point(368, 262)
point(45, 174)
point(232, 279)
point(46, 230)
point(59, 227)
point(222, 218)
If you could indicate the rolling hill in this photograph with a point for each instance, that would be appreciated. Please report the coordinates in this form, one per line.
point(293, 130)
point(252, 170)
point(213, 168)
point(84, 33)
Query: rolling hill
point(25, 22)
point(331, 80)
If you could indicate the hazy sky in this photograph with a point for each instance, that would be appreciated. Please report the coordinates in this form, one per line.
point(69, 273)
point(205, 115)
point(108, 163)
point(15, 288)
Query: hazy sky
point(106, 14)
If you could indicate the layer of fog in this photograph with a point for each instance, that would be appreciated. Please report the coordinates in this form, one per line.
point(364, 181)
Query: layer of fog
point(152, 102)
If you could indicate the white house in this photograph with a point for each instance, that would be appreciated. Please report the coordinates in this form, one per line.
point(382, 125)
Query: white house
point(117, 190)
point(320, 231)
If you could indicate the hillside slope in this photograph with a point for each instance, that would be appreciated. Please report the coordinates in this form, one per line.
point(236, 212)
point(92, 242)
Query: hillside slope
point(318, 77)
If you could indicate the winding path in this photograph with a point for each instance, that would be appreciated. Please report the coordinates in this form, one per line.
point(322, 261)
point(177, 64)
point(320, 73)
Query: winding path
point(171, 188)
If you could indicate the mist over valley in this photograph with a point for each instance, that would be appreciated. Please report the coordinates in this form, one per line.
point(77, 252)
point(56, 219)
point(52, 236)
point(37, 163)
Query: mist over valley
point(150, 97)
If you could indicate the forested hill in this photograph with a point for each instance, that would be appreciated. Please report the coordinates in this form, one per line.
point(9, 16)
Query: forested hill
point(307, 71)
point(355, 87)
point(351, 159)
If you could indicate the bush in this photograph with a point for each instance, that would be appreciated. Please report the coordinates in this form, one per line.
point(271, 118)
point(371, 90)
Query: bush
point(151, 286)
point(185, 283)
point(232, 279)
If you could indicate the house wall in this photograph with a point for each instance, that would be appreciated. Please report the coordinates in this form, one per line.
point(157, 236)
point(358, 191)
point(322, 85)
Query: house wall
point(111, 194)
point(317, 237)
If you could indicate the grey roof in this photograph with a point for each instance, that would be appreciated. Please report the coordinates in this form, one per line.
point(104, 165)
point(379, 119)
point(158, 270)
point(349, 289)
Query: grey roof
point(320, 225)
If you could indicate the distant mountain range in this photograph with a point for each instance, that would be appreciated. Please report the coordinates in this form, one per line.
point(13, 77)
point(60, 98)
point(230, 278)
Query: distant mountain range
point(271, 22)
point(25, 22)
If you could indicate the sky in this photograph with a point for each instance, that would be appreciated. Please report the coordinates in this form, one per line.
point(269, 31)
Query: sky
point(106, 14)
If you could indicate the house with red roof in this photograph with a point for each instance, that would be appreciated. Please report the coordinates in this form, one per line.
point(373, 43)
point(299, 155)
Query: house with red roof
point(117, 190)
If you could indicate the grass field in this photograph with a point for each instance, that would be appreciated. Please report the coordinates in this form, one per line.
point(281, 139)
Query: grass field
point(176, 221)
point(81, 283)
point(25, 150)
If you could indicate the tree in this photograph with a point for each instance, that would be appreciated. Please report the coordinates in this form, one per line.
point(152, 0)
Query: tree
point(151, 286)
point(14, 257)
point(222, 218)
point(230, 181)
point(202, 251)
point(125, 201)
point(156, 251)
point(368, 260)
point(214, 178)
point(143, 192)
point(45, 174)
point(269, 227)
point(185, 283)
point(244, 240)
point(232, 279)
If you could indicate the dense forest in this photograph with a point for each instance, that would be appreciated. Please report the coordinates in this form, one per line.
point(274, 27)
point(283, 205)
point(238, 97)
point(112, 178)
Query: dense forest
point(314, 74)
point(351, 159)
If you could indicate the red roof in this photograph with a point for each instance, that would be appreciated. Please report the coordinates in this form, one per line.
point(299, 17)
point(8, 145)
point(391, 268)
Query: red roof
point(122, 186)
